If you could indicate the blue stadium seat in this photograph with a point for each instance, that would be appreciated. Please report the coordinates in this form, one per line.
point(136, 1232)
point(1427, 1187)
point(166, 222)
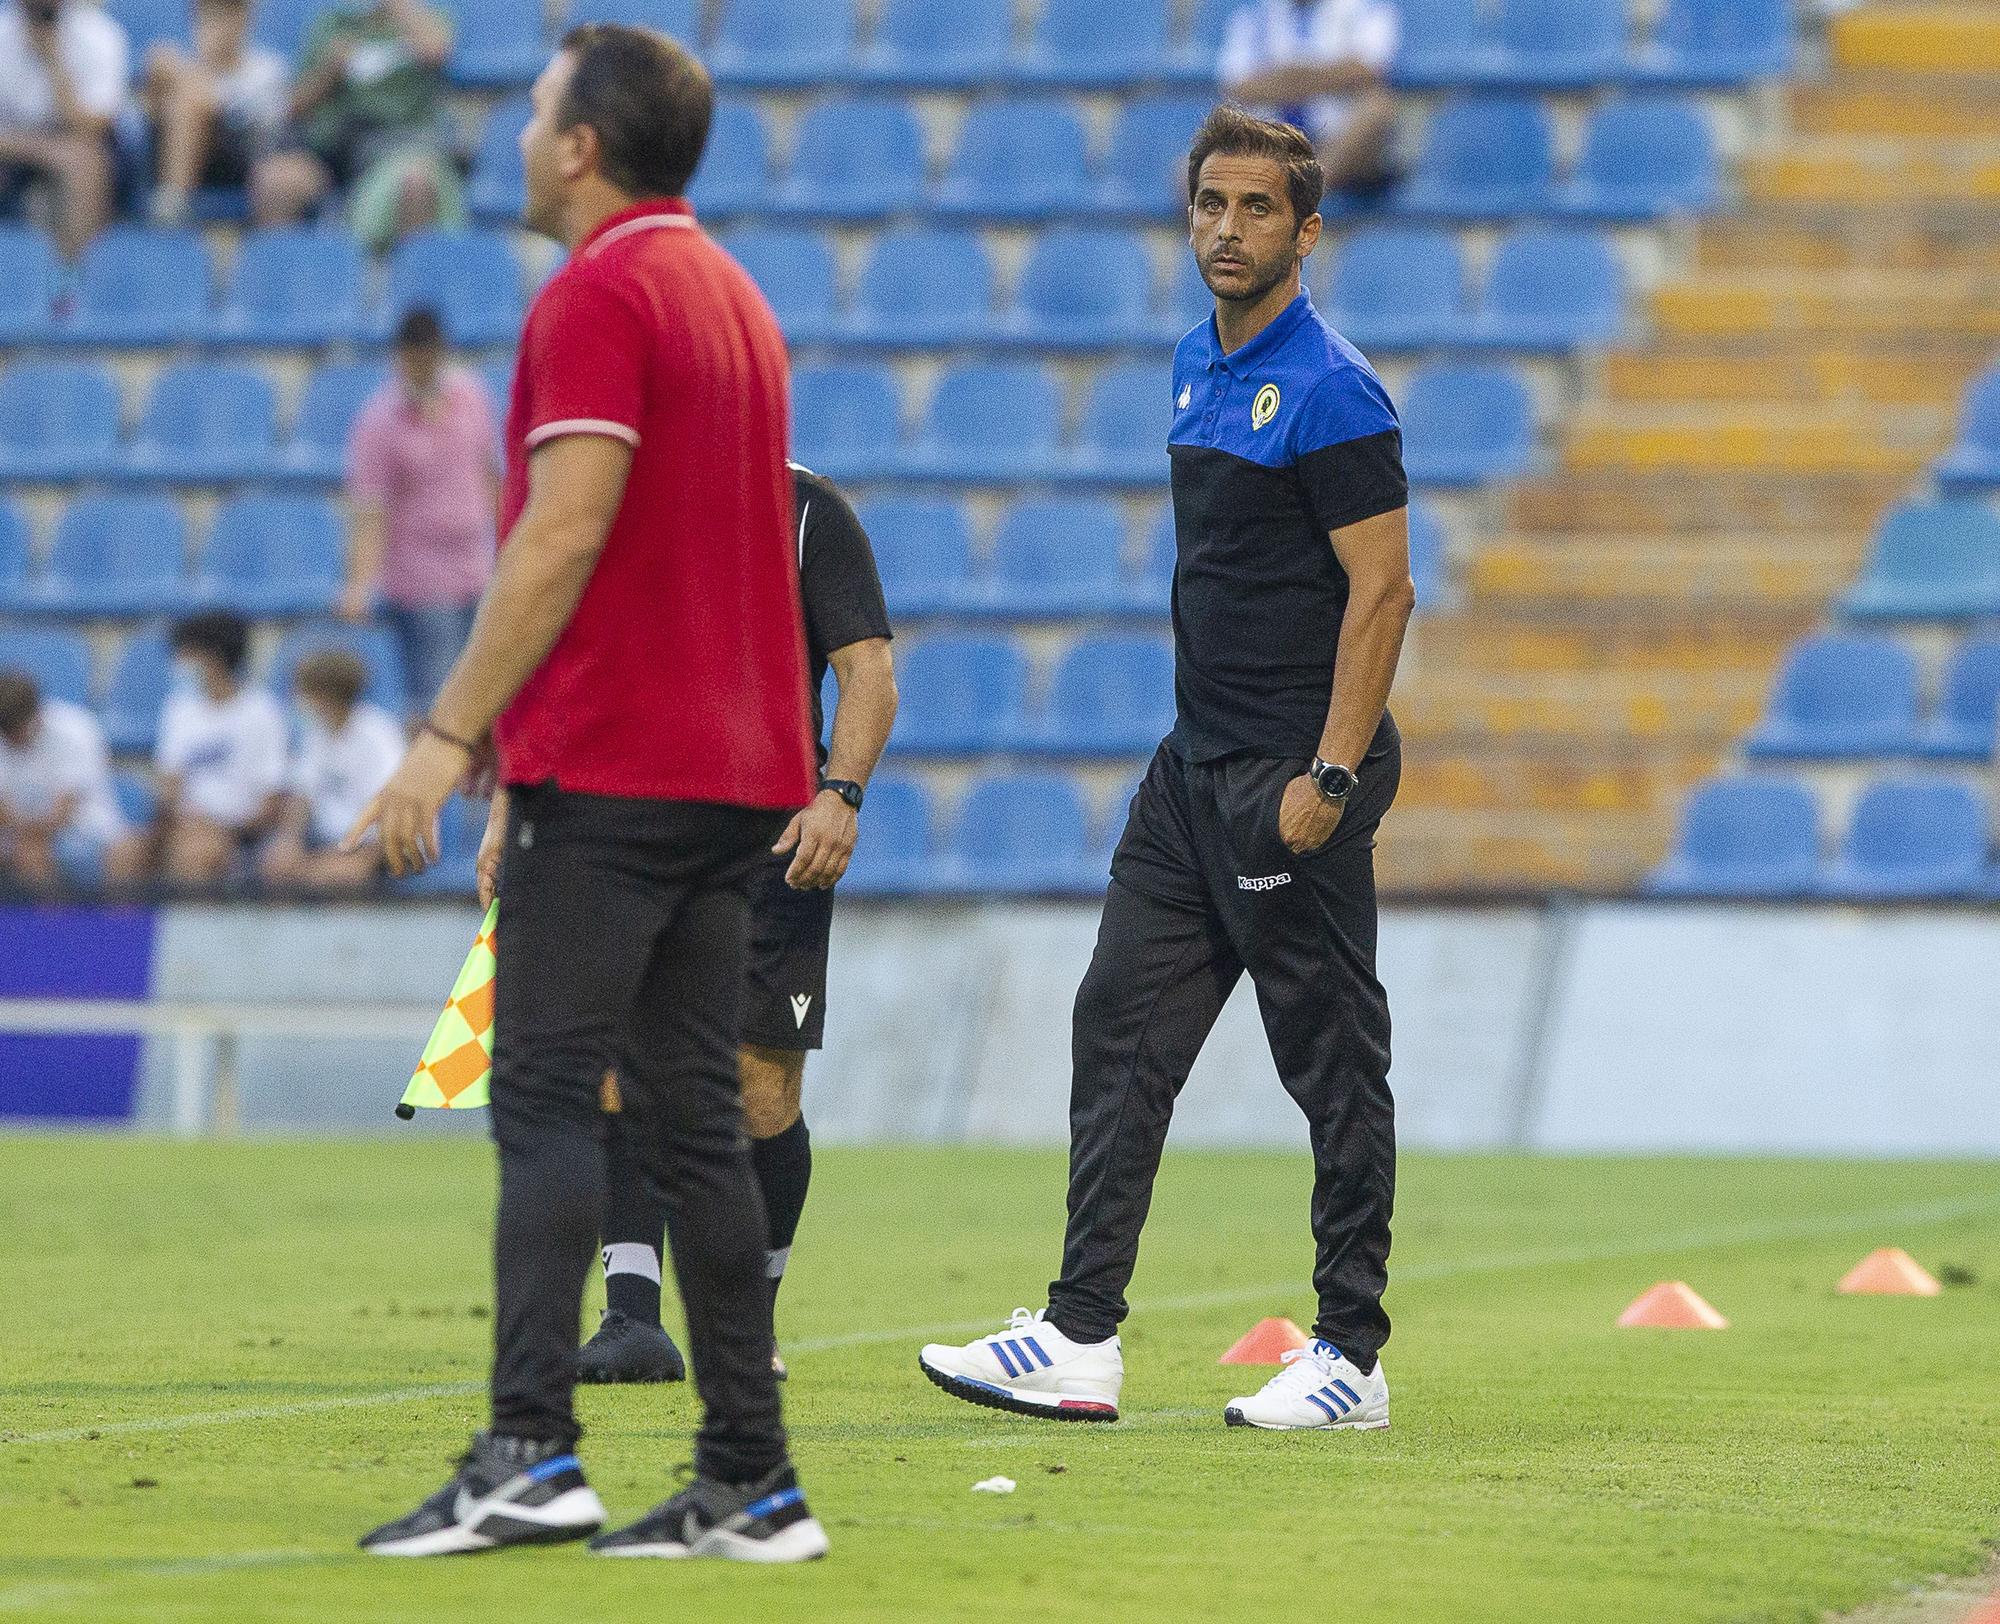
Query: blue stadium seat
point(1707, 43)
point(921, 45)
point(140, 287)
point(1555, 44)
point(1107, 44)
point(1931, 560)
point(1189, 303)
point(923, 286)
point(988, 421)
point(333, 398)
point(1644, 158)
point(205, 422)
point(1483, 156)
point(1911, 838)
point(1054, 558)
point(1430, 555)
point(1084, 289)
point(496, 44)
point(133, 792)
point(1111, 696)
point(1190, 59)
point(29, 275)
point(1398, 287)
point(1974, 462)
point(140, 680)
point(274, 555)
point(735, 173)
point(780, 44)
point(679, 18)
point(847, 421)
point(1743, 837)
point(1968, 720)
point(923, 550)
point(962, 694)
point(293, 286)
point(1839, 696)
point(58, 421)
point(1440, 38)
point(855, 160)
point(148, 23)
point(284, 24)
point(1154, 586)
point(1551, 290)
point(1017, 160)
point(470, 278)
point(894, 854)
point(1465, 425)
point(58, 661)
point(13, 555)
point(499, 189)
point(1020, 833)
point(1145, 168)
point(371, 644)
point(1122, 438)
point(795, 268)
point(115, 555)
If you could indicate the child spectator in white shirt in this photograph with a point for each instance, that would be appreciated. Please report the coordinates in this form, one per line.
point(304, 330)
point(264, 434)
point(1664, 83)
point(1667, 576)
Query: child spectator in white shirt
point(347, 751)
point(1320, 65)
point(58, 815)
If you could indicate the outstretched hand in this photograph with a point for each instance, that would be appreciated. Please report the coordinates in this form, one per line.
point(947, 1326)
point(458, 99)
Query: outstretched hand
point(405, 814)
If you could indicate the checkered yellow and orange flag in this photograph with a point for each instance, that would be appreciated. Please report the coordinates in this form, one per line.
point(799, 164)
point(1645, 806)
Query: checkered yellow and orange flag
point(457, 1067)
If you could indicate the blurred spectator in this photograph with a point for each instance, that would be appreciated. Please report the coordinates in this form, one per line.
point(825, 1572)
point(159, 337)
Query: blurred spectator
point(63, 67)
point(214, 110)
point(346, 752)
point(368, 117)
point(1320, 64)
point(220, 761)
point(422, 483)
point(58, 815)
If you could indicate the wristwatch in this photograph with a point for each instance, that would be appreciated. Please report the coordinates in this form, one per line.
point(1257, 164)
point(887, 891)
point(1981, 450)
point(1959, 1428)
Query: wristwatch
point(846, 789)
point(1333, 781)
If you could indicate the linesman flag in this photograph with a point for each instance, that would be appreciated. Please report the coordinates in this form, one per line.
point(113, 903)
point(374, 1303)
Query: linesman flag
point(456, 1071)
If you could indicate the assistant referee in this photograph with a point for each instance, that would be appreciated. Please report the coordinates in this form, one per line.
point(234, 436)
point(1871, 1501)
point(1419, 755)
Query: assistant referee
point(639, 659)
point(1250, 845)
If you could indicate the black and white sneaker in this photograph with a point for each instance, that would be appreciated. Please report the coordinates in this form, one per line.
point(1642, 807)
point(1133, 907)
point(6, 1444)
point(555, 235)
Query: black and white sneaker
point(765, 1521)
point(507, 1491)
point(624, 1349)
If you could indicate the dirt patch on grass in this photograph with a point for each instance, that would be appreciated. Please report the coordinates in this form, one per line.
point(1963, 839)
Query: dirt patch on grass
point(1944, 1601)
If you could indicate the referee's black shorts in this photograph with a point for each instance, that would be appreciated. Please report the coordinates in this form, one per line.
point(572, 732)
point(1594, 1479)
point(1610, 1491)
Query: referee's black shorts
point(784, 995)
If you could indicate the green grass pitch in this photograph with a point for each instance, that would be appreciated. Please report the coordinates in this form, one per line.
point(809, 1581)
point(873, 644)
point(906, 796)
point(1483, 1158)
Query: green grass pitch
point(222, 1362)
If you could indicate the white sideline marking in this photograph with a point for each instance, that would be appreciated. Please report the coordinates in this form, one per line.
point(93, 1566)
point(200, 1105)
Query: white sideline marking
point(44, 1593)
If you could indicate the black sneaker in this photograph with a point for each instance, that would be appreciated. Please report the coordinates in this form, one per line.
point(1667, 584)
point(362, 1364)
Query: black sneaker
point(765, 1521)
point(628, 1350)
point(508, 1491)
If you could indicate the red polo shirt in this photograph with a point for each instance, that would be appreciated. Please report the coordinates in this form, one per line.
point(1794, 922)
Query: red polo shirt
point(682, 675)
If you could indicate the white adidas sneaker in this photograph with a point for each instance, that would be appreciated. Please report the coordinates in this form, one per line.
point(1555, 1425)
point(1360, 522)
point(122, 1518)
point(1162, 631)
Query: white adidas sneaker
point(1318, 1389)
point(1031, 1368)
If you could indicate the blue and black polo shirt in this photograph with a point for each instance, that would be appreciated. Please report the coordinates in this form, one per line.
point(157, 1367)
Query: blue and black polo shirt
point(1273, 446)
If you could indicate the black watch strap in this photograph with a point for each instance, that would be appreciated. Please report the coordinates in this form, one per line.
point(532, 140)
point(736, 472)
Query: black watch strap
point(846, 788)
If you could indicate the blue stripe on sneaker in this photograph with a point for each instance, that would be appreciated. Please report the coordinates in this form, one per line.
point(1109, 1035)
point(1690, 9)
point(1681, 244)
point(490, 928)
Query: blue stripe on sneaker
point(1035, 1348)
point(1331, 1413)
point(1352, 1396)
point(773, 1502)
point(1021, 1358)
point(1000, 1353)
point(542, 1471)
point(1335, 1400)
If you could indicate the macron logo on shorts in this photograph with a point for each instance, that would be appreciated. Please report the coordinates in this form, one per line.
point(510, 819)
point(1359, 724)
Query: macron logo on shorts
point(1265, 882)
point(801, 1002)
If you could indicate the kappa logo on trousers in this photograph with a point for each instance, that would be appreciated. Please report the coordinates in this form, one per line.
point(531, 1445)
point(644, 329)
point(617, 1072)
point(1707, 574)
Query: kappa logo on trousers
point(1264, 882)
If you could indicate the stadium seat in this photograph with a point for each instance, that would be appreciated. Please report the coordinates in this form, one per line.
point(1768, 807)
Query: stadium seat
point(58, 421)
point(1111, 696)
point(29, 275)
point(1554, 45)
point(371, 644)
point(293, 286)
point(13, 555)
point(923, 551)
point(846, 420)
point(922, 286)
point(780, 44)
point(1189, 60)
point(333, 398)
point(795, 268)
point(1840, 696)
point(140, 679)
point(498, 189)
point(285, 24)
point(204, 422)
point(679, 18)
point(1911, 838)
point(1398, 287)
point(855, 160)
point(1019, 160)
point(1465, 425)
point(1189, 303)
point(148, 23)
point(470, 278)
point(1430, 555)
point(1019, 833)
point(1483, 156)
point(1145, 168)
point(1743, 837)
point(1644, 158)
point(1551, 290)
point(895, 856)
point(137, 802)
point(1931, 560)
point(921, 45)
point(273, 555)
point(962, 694)
point(1084, 289)
point(988, 421)
point(1054, 558)
point(1439, 39)
point(1127, 415)
point(496, 44)
point(58, 661)
point(138, 287)
point(1708, 43)
point(1967, 725)
point(1155, 584)
point(115, 555)
point(735, 173)
point(1974, 462)
point(1107, 44)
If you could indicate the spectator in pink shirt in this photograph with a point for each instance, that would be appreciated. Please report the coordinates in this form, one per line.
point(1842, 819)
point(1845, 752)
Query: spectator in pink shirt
point(422, 470)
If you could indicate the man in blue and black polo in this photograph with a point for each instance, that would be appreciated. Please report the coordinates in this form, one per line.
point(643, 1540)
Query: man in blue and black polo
point(1250, 845)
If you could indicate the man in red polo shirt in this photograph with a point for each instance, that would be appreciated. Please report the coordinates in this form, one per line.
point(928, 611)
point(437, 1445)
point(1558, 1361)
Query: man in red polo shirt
point(640, 663)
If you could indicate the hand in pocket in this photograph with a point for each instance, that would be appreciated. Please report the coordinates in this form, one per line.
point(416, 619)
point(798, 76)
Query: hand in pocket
point(1306, 818)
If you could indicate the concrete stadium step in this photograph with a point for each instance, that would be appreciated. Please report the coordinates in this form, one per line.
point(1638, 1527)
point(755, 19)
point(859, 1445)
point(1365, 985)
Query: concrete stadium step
point(1581, 707)
point(1427, 852)
point(1876, 237)
point(1934, 38)
point(1896, 104)
point(1850, 169)
point(1579, 637)
point(1793, 439)
point(1665, 502)
point(1891, 372)
point(1842, 303)
point(1489, 777)
point(1720, 568)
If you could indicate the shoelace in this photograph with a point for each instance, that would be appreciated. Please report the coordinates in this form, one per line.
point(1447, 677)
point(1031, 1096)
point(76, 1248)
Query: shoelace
point(1022, 1319)
point(1303, 1371)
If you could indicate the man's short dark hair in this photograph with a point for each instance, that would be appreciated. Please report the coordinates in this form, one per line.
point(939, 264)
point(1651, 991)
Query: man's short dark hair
point(216, 632)
point(19, 700)
point(647, 98)
point(419, 329)
point(1237, 134)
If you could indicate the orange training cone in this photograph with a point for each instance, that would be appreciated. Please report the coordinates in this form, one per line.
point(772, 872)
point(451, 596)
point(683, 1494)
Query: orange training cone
point(1266, 1343)
point(1889, 1272)
point(1673, 1306)
point(1988, 1613)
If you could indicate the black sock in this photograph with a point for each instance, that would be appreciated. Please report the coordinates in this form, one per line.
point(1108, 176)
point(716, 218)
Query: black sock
point(628, 1288)
point(784, 1164)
